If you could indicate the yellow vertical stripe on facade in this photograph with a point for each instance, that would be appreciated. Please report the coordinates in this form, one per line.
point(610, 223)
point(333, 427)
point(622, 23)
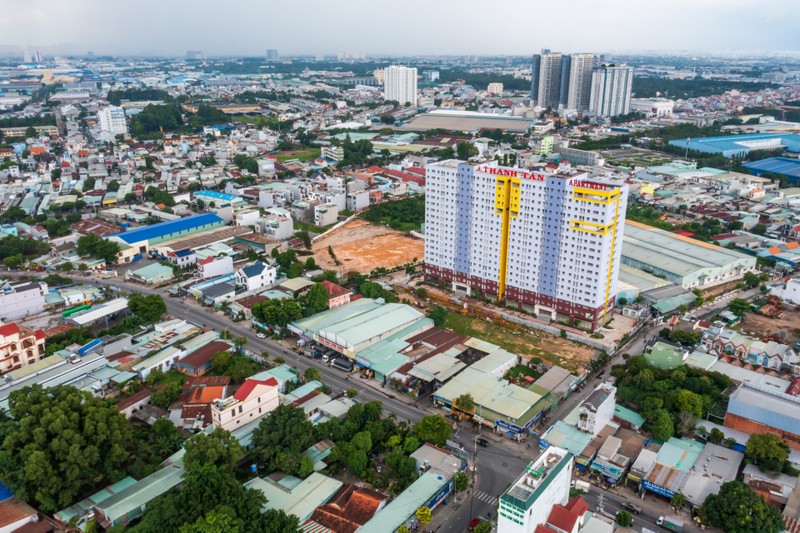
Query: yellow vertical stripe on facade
point(506, 206)
point(613, 251)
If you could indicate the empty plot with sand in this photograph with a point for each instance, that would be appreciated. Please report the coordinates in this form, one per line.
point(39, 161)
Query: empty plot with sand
point(360, 246)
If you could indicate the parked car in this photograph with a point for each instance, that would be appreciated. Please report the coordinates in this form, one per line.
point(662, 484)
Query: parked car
point(261, 336)
point(474, 523)
point(628, 506)
point(483, 443)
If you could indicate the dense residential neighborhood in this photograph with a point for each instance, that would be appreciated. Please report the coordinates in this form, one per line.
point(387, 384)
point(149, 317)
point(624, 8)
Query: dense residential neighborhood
point(552, 293)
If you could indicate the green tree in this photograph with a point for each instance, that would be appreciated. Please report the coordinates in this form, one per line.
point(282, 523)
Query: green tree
point(767, 450)
point(434, 429)
point(166, 394)
point(715, 436)
point(59, 443)
point(221, 519)
point(285, 430)
point(483, 527)
point(439, 316)
point(662, 428)
point(424, 515)
point(315, 300)
point(739, 306)
point(460, 482)
point(688, 401)
point(99, 248)
point(465, 150)
point(679, 500)
point(312, 374)
point(465, 403)
point(13, 261)
point(147, 309)
point(624, 519)
point(737, 508)
point(219, 448)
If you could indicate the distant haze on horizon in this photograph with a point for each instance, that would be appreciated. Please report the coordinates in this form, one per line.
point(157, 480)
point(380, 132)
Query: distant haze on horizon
point(249, 27)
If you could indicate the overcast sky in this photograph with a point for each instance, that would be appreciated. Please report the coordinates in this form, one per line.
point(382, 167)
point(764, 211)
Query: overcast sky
point(482, 27)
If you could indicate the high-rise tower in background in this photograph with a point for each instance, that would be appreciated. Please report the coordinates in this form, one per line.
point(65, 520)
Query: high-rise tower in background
point(546, 79)
point(400, 84)
point(562, 81)
point(611, 90)
point(550, 243)
point(579, 86)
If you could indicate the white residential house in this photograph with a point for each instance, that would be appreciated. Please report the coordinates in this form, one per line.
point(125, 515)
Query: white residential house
point(254, 399)
point(246, 217)
point(597, 409)
point(21, 298)
point(211, 267)
point(257, 276)
point(789, 291)
point(182, 258)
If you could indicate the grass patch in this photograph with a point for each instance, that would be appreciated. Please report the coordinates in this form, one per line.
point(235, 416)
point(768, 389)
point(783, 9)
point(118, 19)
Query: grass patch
point(302, 154)
point(518, 342)
point(245, 119)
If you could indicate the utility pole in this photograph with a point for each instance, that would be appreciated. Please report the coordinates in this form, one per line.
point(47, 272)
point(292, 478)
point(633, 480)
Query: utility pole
point(474, 470)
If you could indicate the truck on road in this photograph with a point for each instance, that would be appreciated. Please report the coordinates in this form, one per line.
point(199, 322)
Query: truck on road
point(673, 524)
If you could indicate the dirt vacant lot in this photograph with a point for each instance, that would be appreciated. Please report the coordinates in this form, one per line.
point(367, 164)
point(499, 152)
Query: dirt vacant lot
point(361, 247)
point(761, 326)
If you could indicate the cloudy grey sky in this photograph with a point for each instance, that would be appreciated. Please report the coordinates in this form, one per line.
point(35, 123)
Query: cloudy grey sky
point(248, 27)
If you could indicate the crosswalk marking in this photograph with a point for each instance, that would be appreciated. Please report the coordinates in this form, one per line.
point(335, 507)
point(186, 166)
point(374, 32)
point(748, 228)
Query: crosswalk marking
point(482, 496)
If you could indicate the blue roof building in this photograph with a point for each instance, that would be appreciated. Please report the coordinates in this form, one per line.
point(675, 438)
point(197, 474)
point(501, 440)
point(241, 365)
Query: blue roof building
point(169, 230)
point(785, 166)
point(218, 197)
point(740, 145)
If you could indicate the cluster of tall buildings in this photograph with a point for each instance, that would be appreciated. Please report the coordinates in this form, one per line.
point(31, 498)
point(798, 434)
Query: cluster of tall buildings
point(549, 243)
point(580, 82)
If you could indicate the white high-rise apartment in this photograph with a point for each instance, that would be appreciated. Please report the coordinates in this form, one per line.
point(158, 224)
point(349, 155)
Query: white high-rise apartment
point(550, 243)
point(400, 84)
point(111, 119)
point(580, 82)
point(611, 90)
point(528, 501)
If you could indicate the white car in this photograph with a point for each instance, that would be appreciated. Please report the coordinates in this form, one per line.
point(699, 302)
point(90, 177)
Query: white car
point(261, 336)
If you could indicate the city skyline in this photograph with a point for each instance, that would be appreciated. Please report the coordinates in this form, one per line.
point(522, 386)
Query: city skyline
point(614, 27)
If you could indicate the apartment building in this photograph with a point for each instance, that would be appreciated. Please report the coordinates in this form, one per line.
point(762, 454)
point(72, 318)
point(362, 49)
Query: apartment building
point(111, 120)
point(254, 399)
point(19, 347)
point(611, 90)
point(400, 84)
point(550, 243)
point(530, 499)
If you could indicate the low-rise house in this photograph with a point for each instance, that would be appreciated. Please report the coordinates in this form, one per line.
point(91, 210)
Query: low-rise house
point(254, 399)
point(254, 277)
point(128, 406)
point(182, 258)
point(153, 274)
point(198, 362)
point(337, 295)
point(211, 267)
point(770, 354)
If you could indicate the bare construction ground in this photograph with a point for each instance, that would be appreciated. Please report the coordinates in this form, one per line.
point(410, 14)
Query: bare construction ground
point(361, 246)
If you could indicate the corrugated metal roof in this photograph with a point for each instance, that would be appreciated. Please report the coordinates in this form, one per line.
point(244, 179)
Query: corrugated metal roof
point(134, 497)
point(165, 228)
point(766, 409)
point(405, 504)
